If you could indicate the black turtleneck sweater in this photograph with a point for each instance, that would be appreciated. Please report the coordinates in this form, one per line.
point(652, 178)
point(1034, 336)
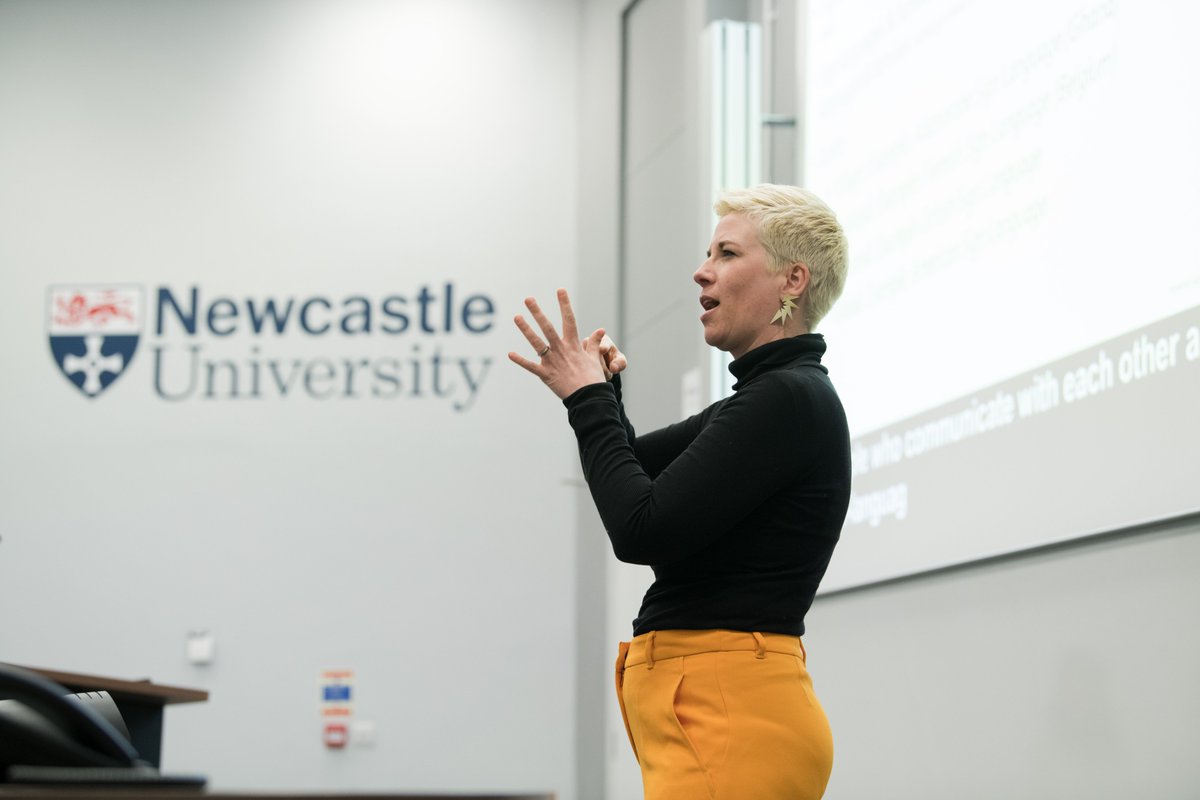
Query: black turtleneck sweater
point(737, 509)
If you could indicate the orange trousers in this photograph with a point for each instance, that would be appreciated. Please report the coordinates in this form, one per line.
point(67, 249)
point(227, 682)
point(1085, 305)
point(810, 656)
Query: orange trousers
point(723, 715)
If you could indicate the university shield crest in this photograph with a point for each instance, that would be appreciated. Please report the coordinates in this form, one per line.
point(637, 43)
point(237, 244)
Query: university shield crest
point(94, 332)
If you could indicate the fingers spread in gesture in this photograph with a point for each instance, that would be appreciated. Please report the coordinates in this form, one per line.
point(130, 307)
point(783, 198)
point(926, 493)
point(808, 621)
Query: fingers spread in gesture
point(565, 363)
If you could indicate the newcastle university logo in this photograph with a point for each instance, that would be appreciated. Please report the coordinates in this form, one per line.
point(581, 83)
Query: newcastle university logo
point(94, 332)
point(215, 347)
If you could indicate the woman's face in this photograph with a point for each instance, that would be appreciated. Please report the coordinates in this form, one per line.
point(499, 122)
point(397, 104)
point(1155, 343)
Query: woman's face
point(738, 294)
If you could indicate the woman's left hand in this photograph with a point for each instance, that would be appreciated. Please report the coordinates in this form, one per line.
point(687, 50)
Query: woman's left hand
point(566, 363)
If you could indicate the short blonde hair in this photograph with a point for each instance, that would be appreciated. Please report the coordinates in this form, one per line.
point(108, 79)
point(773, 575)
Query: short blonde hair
point(795, 225)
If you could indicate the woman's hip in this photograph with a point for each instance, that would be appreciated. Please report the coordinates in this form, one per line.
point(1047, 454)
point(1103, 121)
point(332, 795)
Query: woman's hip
point(723, 714)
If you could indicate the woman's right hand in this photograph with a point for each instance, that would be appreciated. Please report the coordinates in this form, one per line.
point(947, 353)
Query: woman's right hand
point(612, 360)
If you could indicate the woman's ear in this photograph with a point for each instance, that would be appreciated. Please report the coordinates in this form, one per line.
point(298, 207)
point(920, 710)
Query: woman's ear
point(796, 278)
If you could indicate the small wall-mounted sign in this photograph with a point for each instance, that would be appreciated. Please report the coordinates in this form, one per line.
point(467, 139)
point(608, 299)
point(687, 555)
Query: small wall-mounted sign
point(336, 706)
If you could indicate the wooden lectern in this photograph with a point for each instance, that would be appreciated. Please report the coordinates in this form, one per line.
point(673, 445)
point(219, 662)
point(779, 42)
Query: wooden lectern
point(140, 702)
point(141, 705)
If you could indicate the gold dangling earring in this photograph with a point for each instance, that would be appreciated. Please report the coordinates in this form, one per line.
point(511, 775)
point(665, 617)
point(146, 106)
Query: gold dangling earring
point(787, 304)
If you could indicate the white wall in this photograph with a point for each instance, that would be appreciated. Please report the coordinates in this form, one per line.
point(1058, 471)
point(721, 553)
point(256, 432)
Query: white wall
point(276, 150)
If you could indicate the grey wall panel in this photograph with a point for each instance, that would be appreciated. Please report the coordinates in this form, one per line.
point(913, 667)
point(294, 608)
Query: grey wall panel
point(663, 231)
point(1068, 673)
point(656, 52)
point(662, 235)
point(660, 355)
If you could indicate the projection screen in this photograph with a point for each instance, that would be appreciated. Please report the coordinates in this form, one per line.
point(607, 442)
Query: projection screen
point(1018, 345)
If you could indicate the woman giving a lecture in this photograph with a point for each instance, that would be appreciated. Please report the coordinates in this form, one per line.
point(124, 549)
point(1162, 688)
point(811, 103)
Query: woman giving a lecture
point(737, 509)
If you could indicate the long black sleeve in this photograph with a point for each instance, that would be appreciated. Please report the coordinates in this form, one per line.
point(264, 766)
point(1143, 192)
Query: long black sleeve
point(737, 461)
point(741, 505)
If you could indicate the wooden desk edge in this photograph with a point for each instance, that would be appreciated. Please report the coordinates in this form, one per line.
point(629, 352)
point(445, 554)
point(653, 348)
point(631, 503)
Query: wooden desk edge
point(137, 691)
